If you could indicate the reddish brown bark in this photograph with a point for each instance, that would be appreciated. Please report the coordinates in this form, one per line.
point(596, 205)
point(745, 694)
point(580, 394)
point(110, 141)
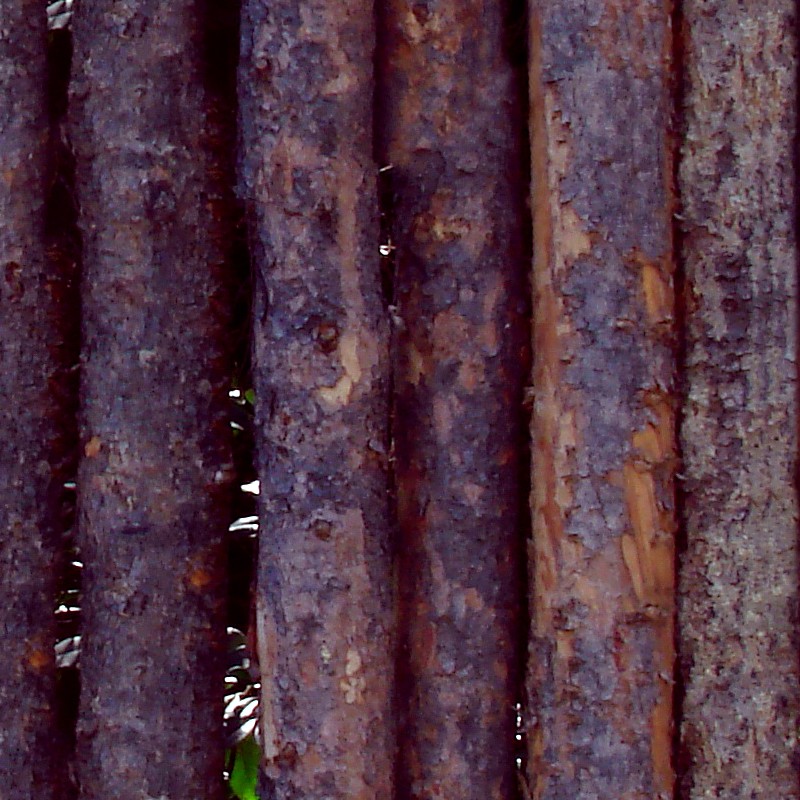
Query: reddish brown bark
point(325, 591)
point(601, 653)
point(452, 134)
point(154, 478)
point(738, 612)
point(32, 421)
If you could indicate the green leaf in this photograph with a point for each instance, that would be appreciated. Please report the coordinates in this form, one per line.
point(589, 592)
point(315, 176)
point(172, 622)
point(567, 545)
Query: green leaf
point(250, 396)
point(244, 774)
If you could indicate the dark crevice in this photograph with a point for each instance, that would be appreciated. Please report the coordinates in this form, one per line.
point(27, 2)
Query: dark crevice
point(681, 389)
point(220, 59)
point(221, 32)
point(388, 272)
point(242, 542)
point(63, 243)
point(386, 248)
point(386, 191)
point(516, 49)
point(388, 266)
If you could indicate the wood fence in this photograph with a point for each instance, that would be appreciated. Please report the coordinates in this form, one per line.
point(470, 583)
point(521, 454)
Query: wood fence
point(519, 293)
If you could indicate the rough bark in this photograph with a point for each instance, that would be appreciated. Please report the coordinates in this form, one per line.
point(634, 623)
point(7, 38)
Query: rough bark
point(738, 584)
point(325, 612)
point(31, 415)
point(155, 473)
point(601, 651)
point(452, 133)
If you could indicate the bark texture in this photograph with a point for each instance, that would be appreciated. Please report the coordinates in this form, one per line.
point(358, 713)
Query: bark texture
point(325, 587)
point(155, 473)
point(31, 415)
point(452, 133)
point(601, 657)
point(738, 612)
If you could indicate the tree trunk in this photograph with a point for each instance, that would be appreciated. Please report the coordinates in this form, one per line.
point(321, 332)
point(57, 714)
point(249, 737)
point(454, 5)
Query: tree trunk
point(32, 424)
point(325, 610)
point(738, 612)
point(600, 680)
point(154, 479)
point(452, 131)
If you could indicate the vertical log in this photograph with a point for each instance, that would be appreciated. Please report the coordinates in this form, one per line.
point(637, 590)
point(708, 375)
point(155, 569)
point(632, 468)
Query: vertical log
point(601, 663)
point(325, 618)
point(153, 481)
point(453, 134)
point(738, 585)
point(31, 419)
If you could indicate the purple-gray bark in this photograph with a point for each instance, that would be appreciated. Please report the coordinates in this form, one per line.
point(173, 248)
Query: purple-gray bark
point(321, 373)
point(155, 473)
point(452, 136)
point(739, 574)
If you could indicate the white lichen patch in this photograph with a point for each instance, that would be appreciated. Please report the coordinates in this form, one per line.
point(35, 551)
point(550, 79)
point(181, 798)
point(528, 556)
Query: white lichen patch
point(325, 654)
point(339, 394)
point(352, 662)
point(353, 684)
point(353, 689)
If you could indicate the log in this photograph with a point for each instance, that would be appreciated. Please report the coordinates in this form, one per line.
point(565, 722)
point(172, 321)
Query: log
point(738, 579)
point(321, 374)
point(452, 137)
point(603, 430)
point(156, 473)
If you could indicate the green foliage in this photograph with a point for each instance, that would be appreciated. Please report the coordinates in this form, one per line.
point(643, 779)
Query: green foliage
point(244, 759)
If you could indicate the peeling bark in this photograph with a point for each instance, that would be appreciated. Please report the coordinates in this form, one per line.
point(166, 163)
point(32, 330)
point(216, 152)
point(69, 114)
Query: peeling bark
point(325, 585)
point(155, 473)
point(738, 585)
point(32, 425)
point(453, 134)
point(601, 651)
